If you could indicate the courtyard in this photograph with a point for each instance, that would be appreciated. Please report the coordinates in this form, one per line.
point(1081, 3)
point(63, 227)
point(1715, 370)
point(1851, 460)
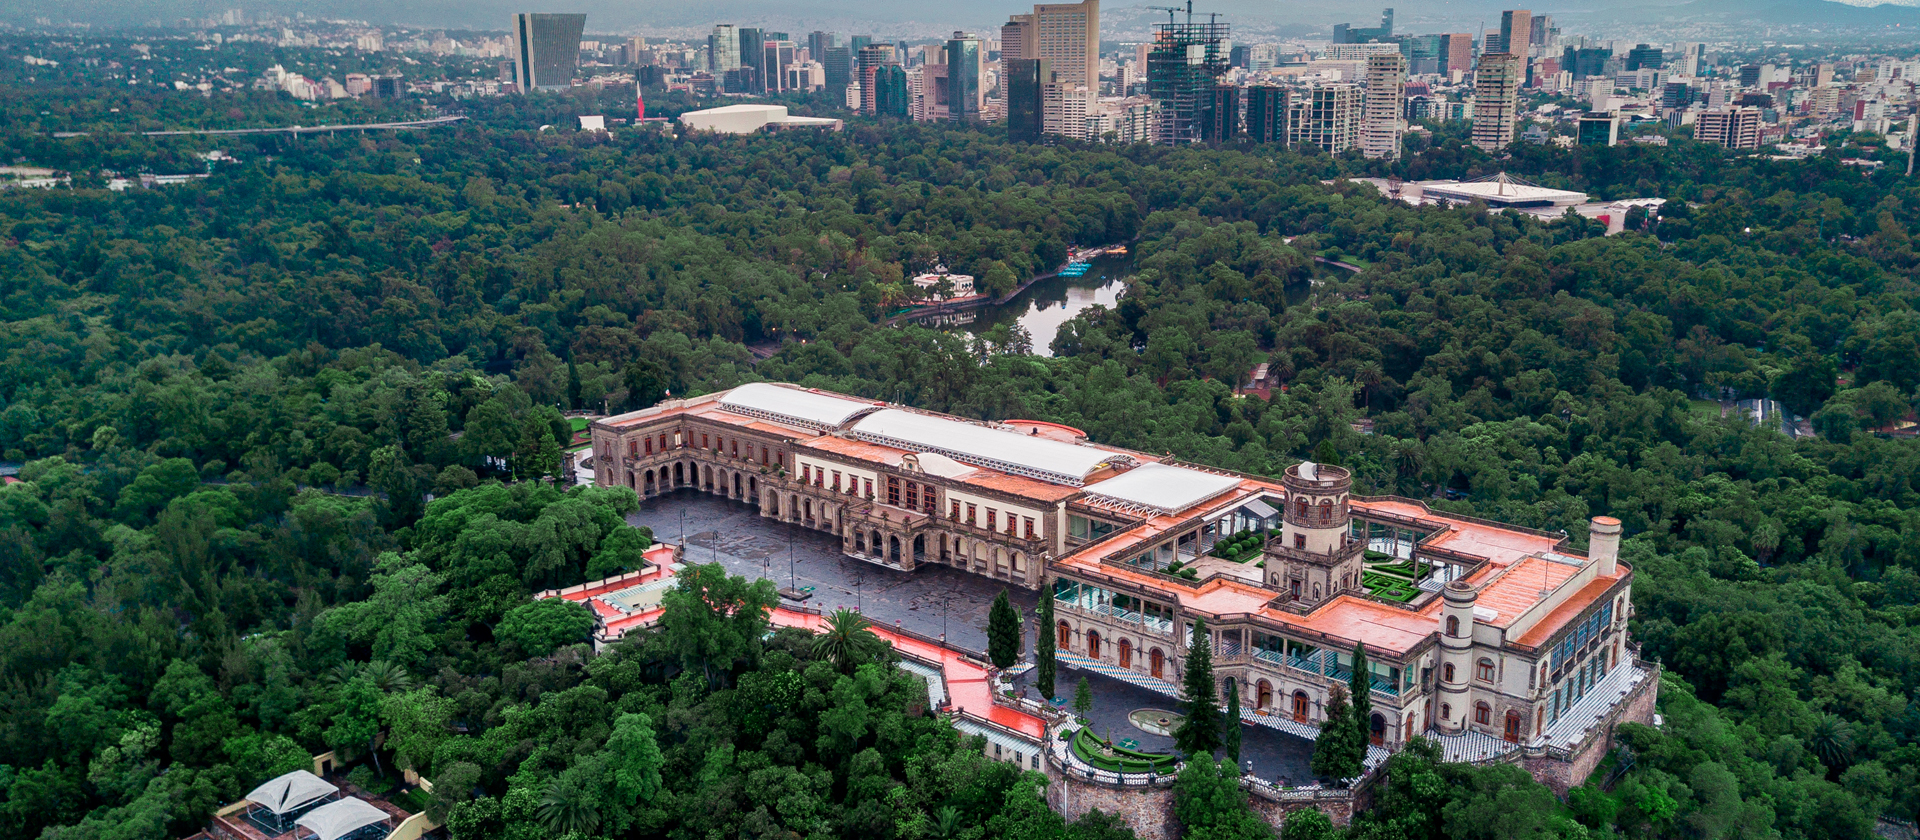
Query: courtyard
point(932, 600)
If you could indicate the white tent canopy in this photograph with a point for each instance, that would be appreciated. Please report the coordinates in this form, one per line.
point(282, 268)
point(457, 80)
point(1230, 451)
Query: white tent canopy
point(291, 791)
point(339, 819)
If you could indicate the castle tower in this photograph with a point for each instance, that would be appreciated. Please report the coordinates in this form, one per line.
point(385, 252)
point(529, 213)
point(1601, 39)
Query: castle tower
point(1316, 556)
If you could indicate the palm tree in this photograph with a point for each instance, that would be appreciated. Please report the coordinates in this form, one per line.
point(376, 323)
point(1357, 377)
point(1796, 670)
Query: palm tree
point(1832, 742)
point(389, 677)
point(847, 642)
point(946, 823)
point(566, 808)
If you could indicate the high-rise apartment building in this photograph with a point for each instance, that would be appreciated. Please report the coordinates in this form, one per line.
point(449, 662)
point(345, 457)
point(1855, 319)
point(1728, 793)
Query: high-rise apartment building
point(1023, 79)
point(1222, 116)
point(1496, 100)
point(1326, 116)
point(723, 49)
point(546, 50)
point(1383, 119)
point(1267, 114)
point(1733, 128)
point(964, 78)
point(1516, 33)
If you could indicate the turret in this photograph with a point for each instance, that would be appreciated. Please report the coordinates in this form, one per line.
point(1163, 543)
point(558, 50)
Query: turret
point(1603, 545)
point(1315, 556)
point(1456, 656)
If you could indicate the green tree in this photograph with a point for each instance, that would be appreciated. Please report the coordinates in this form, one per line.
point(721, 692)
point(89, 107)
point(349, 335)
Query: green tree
point(1199, 733)
point(1044, 661)
point(1308, 824)
point(1003, 632)
point(1231, 737)
point(714, 621)
point(1360, 690)
point(541, 627)
point(1337, 752)
point(1083, 700)
point(1209, 803)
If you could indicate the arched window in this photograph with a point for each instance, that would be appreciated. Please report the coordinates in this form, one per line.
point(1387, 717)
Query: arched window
point(1453, 625)
point(1484, 671)
point(1446, 672)
point(1126, 653)
point(1326, 512)
point(1446, 712)
point(1482, 714)
point(1066, 636)
point(1300, 509)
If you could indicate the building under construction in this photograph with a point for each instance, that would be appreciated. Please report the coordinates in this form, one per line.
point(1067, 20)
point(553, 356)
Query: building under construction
point(1186, 61)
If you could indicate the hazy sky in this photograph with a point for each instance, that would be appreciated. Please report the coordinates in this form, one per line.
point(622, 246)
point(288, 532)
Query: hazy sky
point(887, 18)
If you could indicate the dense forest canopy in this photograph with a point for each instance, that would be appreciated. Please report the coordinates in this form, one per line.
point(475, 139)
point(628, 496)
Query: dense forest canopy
point(203, 382)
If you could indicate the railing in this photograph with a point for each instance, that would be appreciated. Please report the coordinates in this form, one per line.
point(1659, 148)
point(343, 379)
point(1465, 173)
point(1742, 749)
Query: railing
point(1060, 753)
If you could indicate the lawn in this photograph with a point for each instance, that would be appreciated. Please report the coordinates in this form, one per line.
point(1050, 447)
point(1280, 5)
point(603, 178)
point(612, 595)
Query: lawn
point(1388, 586)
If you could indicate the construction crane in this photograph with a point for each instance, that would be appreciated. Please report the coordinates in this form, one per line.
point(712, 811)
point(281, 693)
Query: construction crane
point(1172, 10)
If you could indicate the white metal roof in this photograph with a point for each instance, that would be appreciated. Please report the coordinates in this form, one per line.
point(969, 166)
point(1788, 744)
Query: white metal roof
point(793, 406)
point(1007, 451)
point(285, 793)
point(339, 819)
point(1163, 488)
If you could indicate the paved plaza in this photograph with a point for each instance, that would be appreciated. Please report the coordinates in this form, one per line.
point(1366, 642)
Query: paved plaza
point(930, 600)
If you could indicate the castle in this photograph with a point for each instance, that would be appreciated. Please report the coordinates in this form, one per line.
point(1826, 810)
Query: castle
point(1499, 642)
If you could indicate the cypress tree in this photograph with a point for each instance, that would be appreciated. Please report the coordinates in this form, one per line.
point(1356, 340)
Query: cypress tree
point(1361, 691)
point(1043, 663)
point(1003, 632)
point(1200, 732)
point(1232, 734)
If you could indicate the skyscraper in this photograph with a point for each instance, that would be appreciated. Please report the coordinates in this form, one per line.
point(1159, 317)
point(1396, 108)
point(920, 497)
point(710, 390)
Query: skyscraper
point(1458, 49)
point(776, 55)
point(871, 58)
point(1267, 114)
point(546, 50)
point(1015, 35)
point(1022, 79)
point(1186, 60)
point(1599, 129)
point(837, 66)
point(723, 49)
point(1496, 100)
point(753, 56)
point(1733, 128)
point(817, 44)
point(1067, 35)
point(1383, 121)
point(1516, 32)
point(963, 78)
point(1644, 55)
point(890, 95)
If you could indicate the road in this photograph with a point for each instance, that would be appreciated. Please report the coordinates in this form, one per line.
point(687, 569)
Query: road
point(436, 122)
